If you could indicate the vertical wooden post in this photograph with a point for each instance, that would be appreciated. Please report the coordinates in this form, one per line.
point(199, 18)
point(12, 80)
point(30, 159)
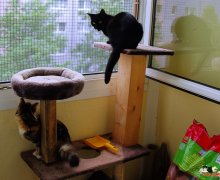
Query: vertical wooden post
point(129, 98)
point(48, 130)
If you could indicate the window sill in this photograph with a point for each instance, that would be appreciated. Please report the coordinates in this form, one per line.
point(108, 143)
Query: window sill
point(197, 89)
point(94, 88)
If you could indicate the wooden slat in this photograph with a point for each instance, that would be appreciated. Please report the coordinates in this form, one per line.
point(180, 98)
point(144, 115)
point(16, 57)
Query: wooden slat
point(140, 50)
point(62, 170)
point(48, 130)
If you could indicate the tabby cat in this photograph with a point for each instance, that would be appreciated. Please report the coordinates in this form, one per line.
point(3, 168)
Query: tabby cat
point(29, 125)
point(123, 31)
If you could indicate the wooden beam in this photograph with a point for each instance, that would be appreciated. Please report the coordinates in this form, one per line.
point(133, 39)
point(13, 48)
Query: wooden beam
point(129, 98)
point(48, 130)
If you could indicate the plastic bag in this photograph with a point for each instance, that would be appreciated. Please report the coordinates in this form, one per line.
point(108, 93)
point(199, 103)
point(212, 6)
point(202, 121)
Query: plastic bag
point(198, 156)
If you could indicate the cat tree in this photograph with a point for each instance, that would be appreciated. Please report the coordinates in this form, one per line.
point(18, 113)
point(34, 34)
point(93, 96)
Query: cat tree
point(129, 97)
point(47, 85)
point(129, 94)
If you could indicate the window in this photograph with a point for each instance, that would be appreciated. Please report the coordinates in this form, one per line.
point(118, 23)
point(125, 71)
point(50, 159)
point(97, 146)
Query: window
point(173, 10)
point(36, 33)
point(61, 3)
point(83, 4)
point(193, 33)
point(83, 28)
point(61, 26)
point(187, 12)
point(190, 11)
point(159, 8)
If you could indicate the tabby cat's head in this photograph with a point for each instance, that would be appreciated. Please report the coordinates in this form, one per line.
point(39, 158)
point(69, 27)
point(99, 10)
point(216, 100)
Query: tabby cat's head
point(27, 112)
point(98, 20)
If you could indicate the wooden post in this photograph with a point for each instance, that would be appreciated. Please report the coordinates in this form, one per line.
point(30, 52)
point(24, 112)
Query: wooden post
point(129, 98)
point(48, 130)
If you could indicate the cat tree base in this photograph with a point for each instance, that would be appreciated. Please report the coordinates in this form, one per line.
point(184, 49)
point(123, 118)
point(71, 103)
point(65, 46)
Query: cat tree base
point(61, 169)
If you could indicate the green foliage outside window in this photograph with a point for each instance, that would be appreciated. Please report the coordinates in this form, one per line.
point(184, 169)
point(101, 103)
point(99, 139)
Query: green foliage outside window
point(27, 37)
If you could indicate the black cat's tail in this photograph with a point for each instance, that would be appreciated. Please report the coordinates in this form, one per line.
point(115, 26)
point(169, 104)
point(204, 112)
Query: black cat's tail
point(113, 59)
point(67, 153)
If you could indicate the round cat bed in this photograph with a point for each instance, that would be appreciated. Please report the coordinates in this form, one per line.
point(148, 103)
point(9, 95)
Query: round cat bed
point(47, 83)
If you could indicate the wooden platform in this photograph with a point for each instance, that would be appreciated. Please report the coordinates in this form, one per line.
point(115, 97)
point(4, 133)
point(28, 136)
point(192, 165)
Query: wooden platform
point(62, 170)
point(140, 50)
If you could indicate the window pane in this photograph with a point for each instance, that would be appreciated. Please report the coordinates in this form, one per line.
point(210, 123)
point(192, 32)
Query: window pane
point(36, 33)
point(191, 28)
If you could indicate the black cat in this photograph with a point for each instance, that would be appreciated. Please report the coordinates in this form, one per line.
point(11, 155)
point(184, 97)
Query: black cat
point(29, 125)
point(123, 31)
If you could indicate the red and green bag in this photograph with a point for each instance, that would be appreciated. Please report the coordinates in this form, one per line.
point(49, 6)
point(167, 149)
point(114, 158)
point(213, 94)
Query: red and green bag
point(198, 156)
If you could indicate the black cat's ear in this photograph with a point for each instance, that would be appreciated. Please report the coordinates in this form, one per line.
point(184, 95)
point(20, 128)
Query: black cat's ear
point(102, 11)
point(34, 107)
point(90, 14)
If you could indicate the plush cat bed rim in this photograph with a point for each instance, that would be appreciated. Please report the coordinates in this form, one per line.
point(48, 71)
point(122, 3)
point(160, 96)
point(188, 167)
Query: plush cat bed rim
point(47, 83)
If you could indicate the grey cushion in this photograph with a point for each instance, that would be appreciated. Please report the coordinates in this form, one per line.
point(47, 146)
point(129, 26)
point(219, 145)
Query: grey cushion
point(46, 83)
